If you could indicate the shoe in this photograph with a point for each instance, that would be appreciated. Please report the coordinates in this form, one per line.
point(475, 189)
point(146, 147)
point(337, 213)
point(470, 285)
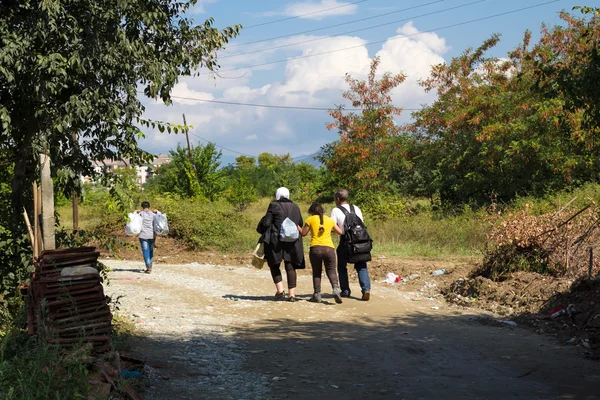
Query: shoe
point(366, 296)
point(148, 271)
point(292, 299)
point(337, 295)
point(316, 298)
point(345, 293)
point(280, 296)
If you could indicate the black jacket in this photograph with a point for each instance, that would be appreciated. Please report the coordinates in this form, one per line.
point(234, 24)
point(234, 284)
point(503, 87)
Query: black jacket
point(268, 227)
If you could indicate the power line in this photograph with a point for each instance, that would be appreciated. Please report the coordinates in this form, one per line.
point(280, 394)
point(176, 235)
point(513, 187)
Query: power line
point(222, 147)
point(233, 103)
point(303, 15)
point(353, 31)
point(388, 39)
point(335, 26)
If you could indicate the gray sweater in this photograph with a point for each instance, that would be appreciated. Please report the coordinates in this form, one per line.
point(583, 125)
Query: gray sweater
point(147, 225)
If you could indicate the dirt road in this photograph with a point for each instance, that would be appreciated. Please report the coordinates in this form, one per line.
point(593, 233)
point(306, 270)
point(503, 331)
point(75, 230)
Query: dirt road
point(214, 332)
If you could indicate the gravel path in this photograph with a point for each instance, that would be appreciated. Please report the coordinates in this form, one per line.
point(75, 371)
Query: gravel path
point(214, 332)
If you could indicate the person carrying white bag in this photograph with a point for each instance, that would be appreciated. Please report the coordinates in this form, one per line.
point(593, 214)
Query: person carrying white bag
point(147, 234)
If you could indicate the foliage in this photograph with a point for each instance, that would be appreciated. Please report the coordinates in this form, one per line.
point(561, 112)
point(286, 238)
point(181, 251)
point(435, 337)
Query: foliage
point(204, 225)
point(70, 74)
point(33, 371)
point(567, 65)
point(241, 193)
point(191, 174)
point(370, 146)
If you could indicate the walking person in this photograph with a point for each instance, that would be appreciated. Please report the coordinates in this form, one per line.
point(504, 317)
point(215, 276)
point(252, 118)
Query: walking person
point(339, 216)
point(321, 251)
point(147, 235)
point(278, 248)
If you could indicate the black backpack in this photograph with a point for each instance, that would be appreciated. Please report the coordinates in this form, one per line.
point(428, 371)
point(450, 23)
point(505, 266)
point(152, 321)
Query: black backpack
point(356, 238)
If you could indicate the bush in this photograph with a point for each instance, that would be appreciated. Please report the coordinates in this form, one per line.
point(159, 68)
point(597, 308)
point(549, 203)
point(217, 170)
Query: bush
point(203, 225)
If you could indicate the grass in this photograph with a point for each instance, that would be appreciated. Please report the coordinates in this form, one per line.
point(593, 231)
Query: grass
point(216, 227)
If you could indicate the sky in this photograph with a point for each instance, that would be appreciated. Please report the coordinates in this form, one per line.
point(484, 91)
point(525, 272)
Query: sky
point(296, 54)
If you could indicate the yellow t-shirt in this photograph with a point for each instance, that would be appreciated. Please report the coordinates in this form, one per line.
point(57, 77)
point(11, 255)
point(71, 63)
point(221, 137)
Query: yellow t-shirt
point(320, 238)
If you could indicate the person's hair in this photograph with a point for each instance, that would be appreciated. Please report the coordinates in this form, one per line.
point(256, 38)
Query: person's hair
point(317, 209)
point(341, 194)
point(145, 204)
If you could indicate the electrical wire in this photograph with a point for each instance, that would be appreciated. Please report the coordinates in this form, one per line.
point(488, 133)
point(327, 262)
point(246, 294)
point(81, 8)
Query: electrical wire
point(334, 26)
point(352, 31)
point(221, 147)
point(386, 40)
point(233, 103)
point(303, 15)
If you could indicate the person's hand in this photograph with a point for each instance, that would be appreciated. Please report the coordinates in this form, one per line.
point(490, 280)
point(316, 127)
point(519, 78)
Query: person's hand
point(299, 228)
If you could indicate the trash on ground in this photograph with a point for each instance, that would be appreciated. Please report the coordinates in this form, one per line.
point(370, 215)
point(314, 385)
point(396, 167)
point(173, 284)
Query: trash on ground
point(438, 272)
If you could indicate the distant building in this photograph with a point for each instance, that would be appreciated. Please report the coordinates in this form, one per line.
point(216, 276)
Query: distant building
point(144, 172)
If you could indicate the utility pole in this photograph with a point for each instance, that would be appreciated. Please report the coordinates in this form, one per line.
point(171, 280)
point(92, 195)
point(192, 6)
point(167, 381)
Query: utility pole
point(47, 203)
point(187, 138)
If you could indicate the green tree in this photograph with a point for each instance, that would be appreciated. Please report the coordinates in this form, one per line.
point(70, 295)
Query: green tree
point(75, 67)
point(489, 134)
point(199, 176)
point(367, 151)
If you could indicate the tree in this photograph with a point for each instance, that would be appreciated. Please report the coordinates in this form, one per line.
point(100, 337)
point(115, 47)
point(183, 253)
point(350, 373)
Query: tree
point(489, 134)
point(567, 62)
point(364, 156)
point(199, 176)
point(75, 67)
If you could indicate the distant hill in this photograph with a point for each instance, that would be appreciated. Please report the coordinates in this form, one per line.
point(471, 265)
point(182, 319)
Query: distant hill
point(309, 159)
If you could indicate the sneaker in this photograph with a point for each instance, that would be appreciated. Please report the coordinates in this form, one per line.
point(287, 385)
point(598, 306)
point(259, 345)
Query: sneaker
point(316, 298)
point(337, 295)
point(292, 299)
point(366, 296)
point(280, 296)
point(345, 293)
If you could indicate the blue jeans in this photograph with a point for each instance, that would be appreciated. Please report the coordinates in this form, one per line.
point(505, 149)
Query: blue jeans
point(360, 267)
point(147, 251)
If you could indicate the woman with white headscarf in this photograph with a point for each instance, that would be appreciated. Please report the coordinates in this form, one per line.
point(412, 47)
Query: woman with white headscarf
point(276, 251)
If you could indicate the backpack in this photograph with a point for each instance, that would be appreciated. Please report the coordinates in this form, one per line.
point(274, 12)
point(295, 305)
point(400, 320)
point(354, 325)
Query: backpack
point(288, 232)
point(356, 238)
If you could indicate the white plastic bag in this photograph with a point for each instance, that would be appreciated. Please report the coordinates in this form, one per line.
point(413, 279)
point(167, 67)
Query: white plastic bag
point(289, 231)
point(161, 226)
point(134, 226)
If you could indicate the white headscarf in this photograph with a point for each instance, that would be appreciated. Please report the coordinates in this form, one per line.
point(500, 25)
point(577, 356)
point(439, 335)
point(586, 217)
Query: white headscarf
point(282, 192)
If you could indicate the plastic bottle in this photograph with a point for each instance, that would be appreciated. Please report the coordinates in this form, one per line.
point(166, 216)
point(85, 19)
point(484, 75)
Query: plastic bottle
point(438, 272)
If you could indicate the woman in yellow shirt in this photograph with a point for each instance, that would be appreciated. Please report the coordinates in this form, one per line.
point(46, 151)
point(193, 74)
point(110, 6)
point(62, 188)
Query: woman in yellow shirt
point(322, 250)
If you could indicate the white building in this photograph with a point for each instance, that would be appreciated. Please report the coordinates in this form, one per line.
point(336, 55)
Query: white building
point(144, 172)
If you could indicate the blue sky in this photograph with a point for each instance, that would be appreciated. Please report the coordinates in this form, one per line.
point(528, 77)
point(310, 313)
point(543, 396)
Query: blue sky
point(409, 39)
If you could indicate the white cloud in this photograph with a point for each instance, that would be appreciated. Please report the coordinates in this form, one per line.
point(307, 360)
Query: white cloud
point(306, 82)
point(316, 10)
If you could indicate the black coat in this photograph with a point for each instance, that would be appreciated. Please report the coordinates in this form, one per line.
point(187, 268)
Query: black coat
point(268, 227)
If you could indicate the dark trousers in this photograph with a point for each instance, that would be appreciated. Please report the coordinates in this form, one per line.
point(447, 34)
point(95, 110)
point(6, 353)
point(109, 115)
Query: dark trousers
point(289, 271)
point(320, 255)
point(360, 267)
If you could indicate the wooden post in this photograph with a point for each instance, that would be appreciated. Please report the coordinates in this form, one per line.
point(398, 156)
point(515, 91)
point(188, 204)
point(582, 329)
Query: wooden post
point(29, 229)
point(591, 263)
point(75, 195)
point(47, 203)
point(75, 211)
point(36, 224)
point(38, 215)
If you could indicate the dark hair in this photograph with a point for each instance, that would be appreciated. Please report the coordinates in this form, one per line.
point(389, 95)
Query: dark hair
point(341, 194)
point(145, 204)
point(317, 209)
